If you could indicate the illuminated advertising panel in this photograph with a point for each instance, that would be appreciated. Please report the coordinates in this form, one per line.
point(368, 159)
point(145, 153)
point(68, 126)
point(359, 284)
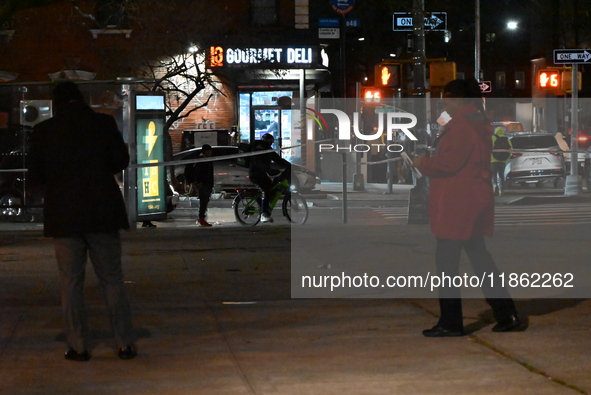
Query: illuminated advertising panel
point(151, 192)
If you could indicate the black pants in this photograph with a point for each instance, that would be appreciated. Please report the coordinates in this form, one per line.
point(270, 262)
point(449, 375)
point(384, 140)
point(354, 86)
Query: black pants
point(447, 258)
point(266, 184)
point(204, 194)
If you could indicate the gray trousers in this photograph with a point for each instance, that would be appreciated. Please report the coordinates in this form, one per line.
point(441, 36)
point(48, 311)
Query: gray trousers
point(104, 250)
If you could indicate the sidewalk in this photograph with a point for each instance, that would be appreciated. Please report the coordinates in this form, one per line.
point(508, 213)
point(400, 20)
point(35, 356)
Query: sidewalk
point(213, 315)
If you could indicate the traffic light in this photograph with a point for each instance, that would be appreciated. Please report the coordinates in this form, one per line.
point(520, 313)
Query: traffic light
point(387, 75)
point(371, 95)
point(440, 73)
point(567, 78)
point(549, 79)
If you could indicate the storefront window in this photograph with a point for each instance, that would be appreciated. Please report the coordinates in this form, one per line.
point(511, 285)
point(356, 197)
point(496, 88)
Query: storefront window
point(260, 114)
point(244, 121)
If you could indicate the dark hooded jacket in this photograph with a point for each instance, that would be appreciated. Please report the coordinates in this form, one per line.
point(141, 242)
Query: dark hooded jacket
point(74, 158)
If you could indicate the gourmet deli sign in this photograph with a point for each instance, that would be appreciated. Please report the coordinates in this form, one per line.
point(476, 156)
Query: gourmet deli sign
point(285, 57)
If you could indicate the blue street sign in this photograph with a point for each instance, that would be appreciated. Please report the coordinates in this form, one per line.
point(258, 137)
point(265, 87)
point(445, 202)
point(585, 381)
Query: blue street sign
point(335, 22)
point(355, 22)
point(328, 22)
point(342, 6)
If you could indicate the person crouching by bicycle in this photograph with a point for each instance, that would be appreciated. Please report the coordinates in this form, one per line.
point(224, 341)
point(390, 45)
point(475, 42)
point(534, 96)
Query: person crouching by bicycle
point(260, 172)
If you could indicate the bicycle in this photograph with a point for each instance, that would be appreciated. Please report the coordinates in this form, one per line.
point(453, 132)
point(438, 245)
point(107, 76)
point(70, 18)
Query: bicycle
point(247, 205)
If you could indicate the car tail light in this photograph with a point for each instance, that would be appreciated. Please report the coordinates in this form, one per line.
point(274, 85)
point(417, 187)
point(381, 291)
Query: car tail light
point(516, 155)
point(556, 153)
point(584, 141)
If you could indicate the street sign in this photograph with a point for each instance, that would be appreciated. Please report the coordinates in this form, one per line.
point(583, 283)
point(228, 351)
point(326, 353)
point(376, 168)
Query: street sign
point(435, 21)
point(485, 86)
point(329, 32)
point(342, 6)
point(354, 22)
point(328, 22)
point(335, 22)
point(572, 56)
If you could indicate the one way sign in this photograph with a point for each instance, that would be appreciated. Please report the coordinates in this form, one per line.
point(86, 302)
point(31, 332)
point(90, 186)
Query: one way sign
point(435, 21)
point(571, 56)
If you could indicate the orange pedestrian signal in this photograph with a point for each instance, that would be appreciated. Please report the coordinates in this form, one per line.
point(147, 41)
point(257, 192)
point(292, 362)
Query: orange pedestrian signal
point(371, 95)
point(549, 79)
point(387, 75)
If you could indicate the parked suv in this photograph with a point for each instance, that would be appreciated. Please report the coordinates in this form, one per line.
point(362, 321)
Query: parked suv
point(536, 158)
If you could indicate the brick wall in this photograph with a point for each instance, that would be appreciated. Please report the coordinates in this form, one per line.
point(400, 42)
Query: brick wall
point(220, 110)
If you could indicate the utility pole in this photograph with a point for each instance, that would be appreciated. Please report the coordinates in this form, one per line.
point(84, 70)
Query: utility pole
point(477, 67)
point(573, 180)
point(417, 204)
point(418, 73)
point(477, 71)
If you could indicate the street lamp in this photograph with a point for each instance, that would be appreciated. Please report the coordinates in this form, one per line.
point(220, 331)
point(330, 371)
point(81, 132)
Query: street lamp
point(512, 25)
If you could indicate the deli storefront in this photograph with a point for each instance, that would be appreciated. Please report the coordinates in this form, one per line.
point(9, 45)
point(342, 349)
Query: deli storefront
point(268, 85)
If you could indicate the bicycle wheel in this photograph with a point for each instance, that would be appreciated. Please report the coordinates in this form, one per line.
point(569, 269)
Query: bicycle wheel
point(295, 208)
point(247, 209)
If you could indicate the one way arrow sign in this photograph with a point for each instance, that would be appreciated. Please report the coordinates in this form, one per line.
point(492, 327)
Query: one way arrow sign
point(571, 56)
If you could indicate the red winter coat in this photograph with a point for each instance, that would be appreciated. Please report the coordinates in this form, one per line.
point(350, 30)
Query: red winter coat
point(461, 202)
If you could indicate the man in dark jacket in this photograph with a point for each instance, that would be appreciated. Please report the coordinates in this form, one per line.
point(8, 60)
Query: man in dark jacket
point(203, 178)
point(74, 159)
point(260, 171)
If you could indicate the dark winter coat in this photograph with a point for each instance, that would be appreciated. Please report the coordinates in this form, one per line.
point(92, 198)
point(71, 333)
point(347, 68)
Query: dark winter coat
point(261, 164)
point(73, 159)
point(203, 173)
point(461, 202)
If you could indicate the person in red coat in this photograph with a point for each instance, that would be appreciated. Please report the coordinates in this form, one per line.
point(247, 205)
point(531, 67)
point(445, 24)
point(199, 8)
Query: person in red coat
point(461, 206)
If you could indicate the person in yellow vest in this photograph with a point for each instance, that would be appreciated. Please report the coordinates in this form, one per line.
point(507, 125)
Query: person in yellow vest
point(501, 153)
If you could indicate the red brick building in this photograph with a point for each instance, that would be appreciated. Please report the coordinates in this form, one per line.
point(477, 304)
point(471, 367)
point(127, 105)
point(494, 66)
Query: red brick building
point(81, 41)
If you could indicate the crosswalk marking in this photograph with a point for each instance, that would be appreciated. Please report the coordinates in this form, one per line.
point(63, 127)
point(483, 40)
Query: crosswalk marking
point(564, 214)
point(543, 215)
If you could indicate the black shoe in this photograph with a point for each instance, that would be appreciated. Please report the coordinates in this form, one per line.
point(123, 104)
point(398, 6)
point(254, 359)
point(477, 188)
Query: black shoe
point(148, 224)
point(439, 331)
point(508, 325)
point(127, 352)
point(73, 355)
